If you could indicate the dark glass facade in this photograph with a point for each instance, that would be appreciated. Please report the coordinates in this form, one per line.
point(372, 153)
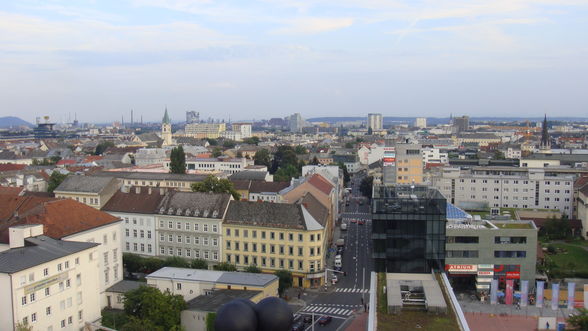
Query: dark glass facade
point(408, 229)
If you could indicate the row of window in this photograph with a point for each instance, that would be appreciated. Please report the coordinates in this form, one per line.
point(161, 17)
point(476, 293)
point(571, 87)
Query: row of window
point(246, 260)
point(474, 254)
point(32, 297)
point(188, 226)
point(204, 241)
point(140, 221)
point(515, 182)
point(136, 247)
point(92, 201)
point(59, 267)
point(475, 240)
point(188, 252)
point(272, 235)
point(515, 190)
point(245, 246)
point(62, 324)
point(516, 198)
point(138, 233)
point(168, 184)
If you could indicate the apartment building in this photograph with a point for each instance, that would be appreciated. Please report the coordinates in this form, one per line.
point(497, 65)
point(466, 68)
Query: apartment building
point(478, 251)
point(506, 187)
point(409, 164)
point(189, 224)
point(205, 130)
point(137, 207)
point(434, 155)
point(148, 156)
point(90, 190)
point(275, 236)
point(46, 283)
point(215, 165)
point(69, 220)
point(375, 122)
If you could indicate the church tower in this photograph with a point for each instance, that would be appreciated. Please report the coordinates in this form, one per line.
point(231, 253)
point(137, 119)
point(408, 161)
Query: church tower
point(545, 139)
point(166, 130)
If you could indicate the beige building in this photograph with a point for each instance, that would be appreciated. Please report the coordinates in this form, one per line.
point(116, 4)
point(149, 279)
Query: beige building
point(90, 190)
point(375, 122)
point(46, 283)
point(205, 130)
point(273, 237)
point(409, 164)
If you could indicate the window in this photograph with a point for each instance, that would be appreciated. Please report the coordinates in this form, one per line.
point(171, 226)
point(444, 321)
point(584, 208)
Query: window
point(162, 250)
point(67, 283)
point(62, 323)
point(272, 235)
point(178, 286)
point(300, 237)
point(170, 225)
point(170, 238)
point(178, 225)
point(245, 247)
point(510, 254)
point(290, 236)
point(263, 248)
point(272, 249)
point(142, 247)
point(236, 232)
point(106, 257)
point(59, 267)
point(135, 247)
point(149, 234)
point(81, 315)
point(77, 261)
point(461, 253)
point(70, 320)
point(149, 248)
point(79, 279)
point(205, 227)
point(510, 240)
point(135, 233)
point(300, 265)
point(79, 298)
point(462, 240)
point(47, 291)
point(281, 235)
point(262, 234)
point(46, 272)
point(215, 242)
point(179, 238)
point(290, 250)
point(228, 232)
point(312, 251)
point(215, 228)
point(48, 310)
point(142, 234)
point(106, 276)
point(23, 300)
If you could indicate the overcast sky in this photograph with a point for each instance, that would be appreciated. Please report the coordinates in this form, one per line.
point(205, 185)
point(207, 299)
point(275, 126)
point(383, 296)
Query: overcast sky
point(260, 59)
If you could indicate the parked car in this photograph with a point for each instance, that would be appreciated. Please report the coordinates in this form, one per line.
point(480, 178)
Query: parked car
point(307, 319)
point(299, 325)
point(360, 222)
point(353, 221)
point(343, 226)
point(324, 320)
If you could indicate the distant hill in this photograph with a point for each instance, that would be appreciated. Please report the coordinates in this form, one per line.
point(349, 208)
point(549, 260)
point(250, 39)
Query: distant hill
point(11, 121)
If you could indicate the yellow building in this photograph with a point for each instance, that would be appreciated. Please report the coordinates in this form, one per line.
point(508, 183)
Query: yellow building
point(274, 237)
point(409, 164)
point(205, 130)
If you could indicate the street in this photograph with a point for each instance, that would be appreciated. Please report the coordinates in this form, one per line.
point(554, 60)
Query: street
point(351, 291)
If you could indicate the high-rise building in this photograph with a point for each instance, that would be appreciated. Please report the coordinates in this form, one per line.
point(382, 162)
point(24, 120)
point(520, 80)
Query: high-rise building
point(192, 117)
point(166, 130)
point(403, 164)
point(205, 130)
point(375, 121)
point(420, 122)
point(295, 122)
point(461, 123)
point(243, 128)
point(408, 229)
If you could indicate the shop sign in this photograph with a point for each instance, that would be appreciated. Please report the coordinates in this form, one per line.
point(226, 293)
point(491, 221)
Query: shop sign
point(461, 268)
point(483, 280)
point(485, 273)
point(483, 286)
point(513, 275)
point(485, 266)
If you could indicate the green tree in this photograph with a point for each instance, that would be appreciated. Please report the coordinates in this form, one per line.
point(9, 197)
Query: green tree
point(212, 142)
point(177, 163)
point(556, 228)
point(285, 280)
point(224, 266)
point(262, 157)
point(365, 187)
point(136, 324)
point(23, 327)
point(284, 156)
point(217, 151)
point(199, 264)
point(498, 155)
point(176, 261)
point(285, 174)
point(252, 268)
point(215, 185)
point(346, 176)
point(252, 141)
point(149, 304)
point(579, 321)
point(210, 318)
point(299, 149)
point(55, 180)
point(349, 145)
point(103, 146)
point(229, 143)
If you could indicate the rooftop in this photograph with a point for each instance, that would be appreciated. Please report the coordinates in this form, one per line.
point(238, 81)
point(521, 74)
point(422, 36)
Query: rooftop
point(224, 277)
point(249, 175)
point(218, 298)
point(194, 204)
point(85, 184)
point(39, 250)
point(124, 286)
point(144, 202)
point(277, 215)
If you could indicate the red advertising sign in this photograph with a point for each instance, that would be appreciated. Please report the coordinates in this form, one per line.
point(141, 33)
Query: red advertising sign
point(463, 268)
point(509, 290)
point(513, 275)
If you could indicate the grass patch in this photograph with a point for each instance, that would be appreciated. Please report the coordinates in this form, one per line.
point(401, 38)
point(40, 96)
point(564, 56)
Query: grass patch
point(571, 263)
point(513, 225)
point(113, 318)
point(410, 320)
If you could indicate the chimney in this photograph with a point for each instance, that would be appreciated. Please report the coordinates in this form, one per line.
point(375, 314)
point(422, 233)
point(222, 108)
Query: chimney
point(124, 189)
point(138, 190)
point(149, 190)
point(17, 234)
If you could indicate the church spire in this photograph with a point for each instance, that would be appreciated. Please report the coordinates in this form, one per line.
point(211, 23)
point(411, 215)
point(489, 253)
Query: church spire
point(166, 117)
point(545, 140)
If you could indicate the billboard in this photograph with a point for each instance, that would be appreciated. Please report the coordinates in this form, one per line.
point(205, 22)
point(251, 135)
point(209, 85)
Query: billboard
point(389, 158)
point(461, 268)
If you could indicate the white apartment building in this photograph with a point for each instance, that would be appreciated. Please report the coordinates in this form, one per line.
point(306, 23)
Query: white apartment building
point(375, 121)
point(136, 206)
point(243, 128)
point(507, 187)
point(434, 155)
point(420, 122)
point(215, 165)
point(46, 283)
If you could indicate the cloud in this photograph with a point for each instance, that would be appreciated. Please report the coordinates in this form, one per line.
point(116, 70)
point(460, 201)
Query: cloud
point(313, 25)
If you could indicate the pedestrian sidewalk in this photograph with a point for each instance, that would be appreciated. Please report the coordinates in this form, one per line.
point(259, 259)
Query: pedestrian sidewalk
point(359, 323)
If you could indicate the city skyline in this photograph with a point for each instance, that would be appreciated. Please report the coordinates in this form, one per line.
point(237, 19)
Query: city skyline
point(274, 58)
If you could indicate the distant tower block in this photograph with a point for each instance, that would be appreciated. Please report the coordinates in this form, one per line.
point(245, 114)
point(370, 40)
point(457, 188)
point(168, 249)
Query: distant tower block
point(375, 122)
point(166, 130)
point(420, 122)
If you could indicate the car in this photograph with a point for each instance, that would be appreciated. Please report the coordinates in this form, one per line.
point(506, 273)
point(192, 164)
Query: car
point(338, 268)
point(299, 325)
point(324, 320)
point(307, 319)
point(353, 221)
point(361, 222)
point(334, 279)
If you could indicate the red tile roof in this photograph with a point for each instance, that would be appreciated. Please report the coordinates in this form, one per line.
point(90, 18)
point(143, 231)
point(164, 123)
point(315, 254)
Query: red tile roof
point(93, 158)
point(11, 190)
point(65, 161)
point(60, 217)
point(321, 183)
point(11, 167)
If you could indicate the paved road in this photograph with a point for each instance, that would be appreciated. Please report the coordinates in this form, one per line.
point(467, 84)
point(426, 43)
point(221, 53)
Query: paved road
point(350, 292)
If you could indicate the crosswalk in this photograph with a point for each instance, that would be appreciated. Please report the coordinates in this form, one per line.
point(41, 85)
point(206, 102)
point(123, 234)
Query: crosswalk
point(352, 290)
point(328, 310)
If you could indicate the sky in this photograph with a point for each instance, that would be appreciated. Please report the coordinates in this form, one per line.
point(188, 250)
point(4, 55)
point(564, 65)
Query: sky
point(250, 60)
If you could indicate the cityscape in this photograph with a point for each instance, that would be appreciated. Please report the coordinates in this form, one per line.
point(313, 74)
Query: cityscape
point(293, 166)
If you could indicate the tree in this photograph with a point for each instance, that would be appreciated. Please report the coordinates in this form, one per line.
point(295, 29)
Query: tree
point(346, 176)
point(216, 152)
point(210, 318)
point(176, 261)
point(23, 327)
point(229, 143)
point(224, 266)
point(253, 269)
point(215, 185)
point(285, 280)
point(262, 157)
point(151, 305)
point(199, 264)
point(556, 228)
point(285, 174)
point(498, 155)
point(349, 145)
point(177, 164)
point(136, 324)
point(300, 149)
point(55, 180)
point(284, 156)
point(252, 141)
point(579, 321)
point(365, 187)
point(212, 142)
point(103, 146)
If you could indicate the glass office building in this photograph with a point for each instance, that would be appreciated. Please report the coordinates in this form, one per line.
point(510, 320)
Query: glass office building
point(408, 230)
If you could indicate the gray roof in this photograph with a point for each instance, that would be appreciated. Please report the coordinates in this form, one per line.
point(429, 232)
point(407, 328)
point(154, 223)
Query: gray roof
point(218, 298)
point(125, 285)
point(151, 176)
point(194, 204)
point(247, 278)
point(86, 184)
point(213, 276)
point(39, 250)
point(277, 215)
point(249, 175)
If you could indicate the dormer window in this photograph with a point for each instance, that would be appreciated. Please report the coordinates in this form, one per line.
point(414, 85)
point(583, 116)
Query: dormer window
point(205, 213)
point(179, 211)
point(187, 212)
point(161, 210)
point(170, 211)
point(196, 212)
point(215, 213)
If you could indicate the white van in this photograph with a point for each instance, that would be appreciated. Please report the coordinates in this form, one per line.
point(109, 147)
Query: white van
point(338, 264)
point(343, 226)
